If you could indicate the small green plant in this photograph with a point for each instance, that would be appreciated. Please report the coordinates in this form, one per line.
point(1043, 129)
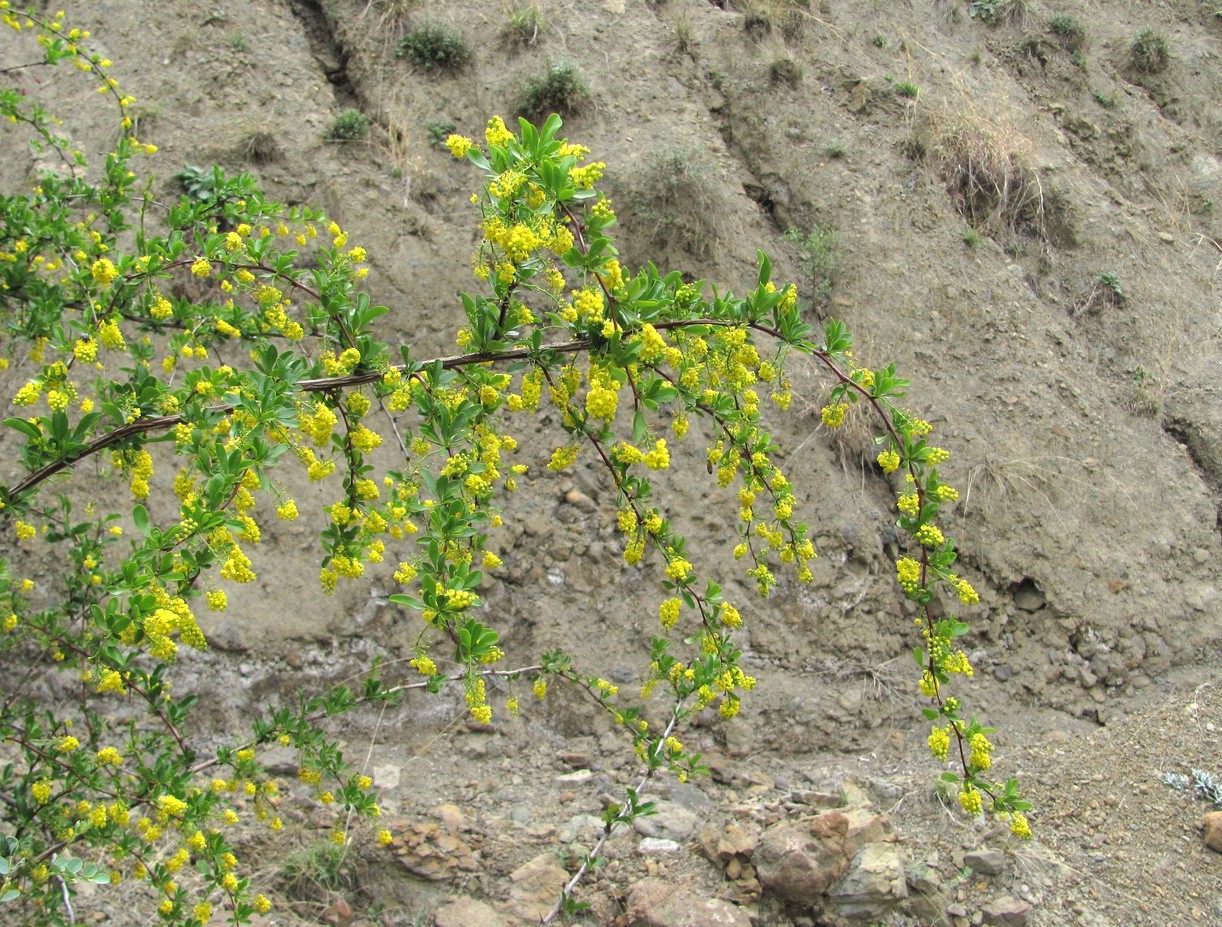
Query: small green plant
point(558, 89)
point(785, 71)
point(1071, 32)
point(199, 183)
point(1147, 392)
point(971, 237)
point(1110, 285)
point(435, 48)
point(1149, 52)
point(524, 26)
point(835, 149)
point(439, 131)
point(996, 12)
point(878, 42)
point(683, 39)
point(1105, 291)
point(1107, 101)
point(817, 249)
point(315, 871)
point(906, 89)
point(1203, 785)
point(238, 42)
point(349, 126)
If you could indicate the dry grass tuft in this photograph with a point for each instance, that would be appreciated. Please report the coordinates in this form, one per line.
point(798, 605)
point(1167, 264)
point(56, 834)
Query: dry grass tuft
point(682, 193)
point(987, 165)
point(786, 18)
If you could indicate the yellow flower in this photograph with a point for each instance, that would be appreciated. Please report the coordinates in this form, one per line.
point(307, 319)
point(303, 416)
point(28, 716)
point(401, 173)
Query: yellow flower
point(669, 612)
point(730, 616)
point(496, 133)
point(1019, 826)
point(104, 271)
point(980, 752)
point(201, 267)
point(970, 799)
point(909, 573)
point(939, 743)
point(563, 457)
point(833, 415)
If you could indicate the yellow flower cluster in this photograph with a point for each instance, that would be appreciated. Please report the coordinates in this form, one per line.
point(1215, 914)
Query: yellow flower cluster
point(669, 612)
point(833, 415)
point(908, 571)
point(563, 457)
point(980, 750)
point(970, 799)
point(939, 743)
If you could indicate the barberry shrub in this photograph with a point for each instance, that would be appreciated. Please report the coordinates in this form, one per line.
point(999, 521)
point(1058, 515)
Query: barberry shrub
point(114, 313)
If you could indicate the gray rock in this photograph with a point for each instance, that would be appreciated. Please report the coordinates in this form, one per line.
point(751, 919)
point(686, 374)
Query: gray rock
point(658, 845)
point(535, 890)
point(659, 903)
point(928, 899)
point(467, 912)
point(875, 882)
point(986, 862)
point(386, 776)
point(579, 826)
point(670, 821)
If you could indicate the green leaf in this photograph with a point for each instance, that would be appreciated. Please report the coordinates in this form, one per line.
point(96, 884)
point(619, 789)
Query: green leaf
point(27, 428)
point(639, 426)
point(141, 517)
point(13, 893)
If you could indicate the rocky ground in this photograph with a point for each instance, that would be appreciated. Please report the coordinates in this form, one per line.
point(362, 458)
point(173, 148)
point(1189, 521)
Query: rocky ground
point(1085, 420)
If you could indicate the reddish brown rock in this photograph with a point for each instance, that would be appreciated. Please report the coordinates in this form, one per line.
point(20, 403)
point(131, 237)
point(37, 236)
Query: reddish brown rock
point(1213, 830)
point(737, 840)
point(1008, 911)
point(800, 860)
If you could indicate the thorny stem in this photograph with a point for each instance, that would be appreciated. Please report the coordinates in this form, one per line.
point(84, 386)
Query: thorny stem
point(608, 829)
